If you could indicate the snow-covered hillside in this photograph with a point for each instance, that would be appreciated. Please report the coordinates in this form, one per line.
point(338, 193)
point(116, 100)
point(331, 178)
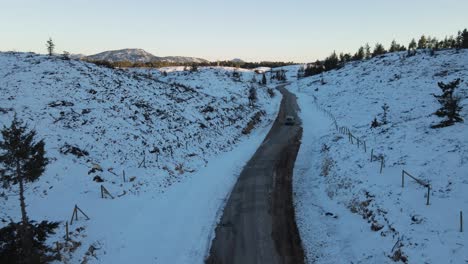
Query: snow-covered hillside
point(179, 145)
point(349, 212)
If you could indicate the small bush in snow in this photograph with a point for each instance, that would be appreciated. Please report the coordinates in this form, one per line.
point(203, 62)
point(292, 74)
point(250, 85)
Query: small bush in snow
point(384, 119)
point(385, 109)
point(252, 96)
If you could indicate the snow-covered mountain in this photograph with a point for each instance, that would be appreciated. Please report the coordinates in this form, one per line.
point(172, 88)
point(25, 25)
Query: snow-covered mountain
point(77, 56)
point(180, 59)
point(133, 55)
point(169, 147)
point(238, 60)
point(139, 55)
point(349, 209)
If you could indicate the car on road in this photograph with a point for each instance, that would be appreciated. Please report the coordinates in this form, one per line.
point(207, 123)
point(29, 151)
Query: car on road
point(289, 121)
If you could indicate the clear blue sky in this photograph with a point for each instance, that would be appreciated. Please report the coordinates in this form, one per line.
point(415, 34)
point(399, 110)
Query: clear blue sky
point(298, 30)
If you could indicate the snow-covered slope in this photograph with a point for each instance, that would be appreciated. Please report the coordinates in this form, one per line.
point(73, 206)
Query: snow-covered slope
point(180, 147)
point(349, 212)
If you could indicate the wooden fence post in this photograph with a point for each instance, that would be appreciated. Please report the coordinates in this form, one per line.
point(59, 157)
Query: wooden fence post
point(143, 162)
point(66, 229)
point(123, 175)
point(87, 218)
point(372, 155)
point(428, 194)
point(104, 191)
point(75, 214)
point(381, 164)
point(58, 249)
point(402, 178)
point(461, 221)
point(365, 147)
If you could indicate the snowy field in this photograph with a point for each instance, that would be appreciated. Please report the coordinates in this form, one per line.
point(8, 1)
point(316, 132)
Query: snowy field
point(349, 212)
point(177, 138)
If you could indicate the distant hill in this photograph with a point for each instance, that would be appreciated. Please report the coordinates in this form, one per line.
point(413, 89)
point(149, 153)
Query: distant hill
point(180, 59)
point(139, 55)
point(237, 60)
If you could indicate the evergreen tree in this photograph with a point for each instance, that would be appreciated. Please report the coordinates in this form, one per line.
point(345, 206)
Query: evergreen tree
point(464, 42)
point(314, 68)
point(385, 109)
point(432, 43)
point(254, 78)
point(264, 80)
point(450, 104)
point(459, 40)
point(360, 54)
point(394, 47)
point(412, 45)
point(300, 72)
point(345, 57)
point(331, 62)
point(252, 96)
point(23, 161)
point(281, 75)
point(367, 51)
point(378, 50)
point(422, 42)
point(66, 55)
point(50, 47)
point(445, 43)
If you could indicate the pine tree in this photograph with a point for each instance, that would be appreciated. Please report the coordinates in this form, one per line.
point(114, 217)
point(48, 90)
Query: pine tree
point(23, 161)
point(345, 57)
point(50, 47)
point(367, 51)
point(464, 43)
point(252, 96)
point(331, 62)
point(360, 54)
point(385, 109)
point(378, 50)
point(412, 45)
point(264, 80)
point(422, 42)
point(66, 55)
point(394, 47)
point(450, 104)
point(301, 72)
point(254, 78)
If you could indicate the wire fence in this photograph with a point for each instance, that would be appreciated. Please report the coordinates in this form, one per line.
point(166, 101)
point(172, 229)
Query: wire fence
point(362, 144)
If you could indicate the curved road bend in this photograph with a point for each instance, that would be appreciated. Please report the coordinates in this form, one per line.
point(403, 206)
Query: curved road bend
point(258, 223)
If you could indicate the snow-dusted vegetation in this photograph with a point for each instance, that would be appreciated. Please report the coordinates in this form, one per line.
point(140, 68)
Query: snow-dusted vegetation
point(349, 212)
point(167, 148)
